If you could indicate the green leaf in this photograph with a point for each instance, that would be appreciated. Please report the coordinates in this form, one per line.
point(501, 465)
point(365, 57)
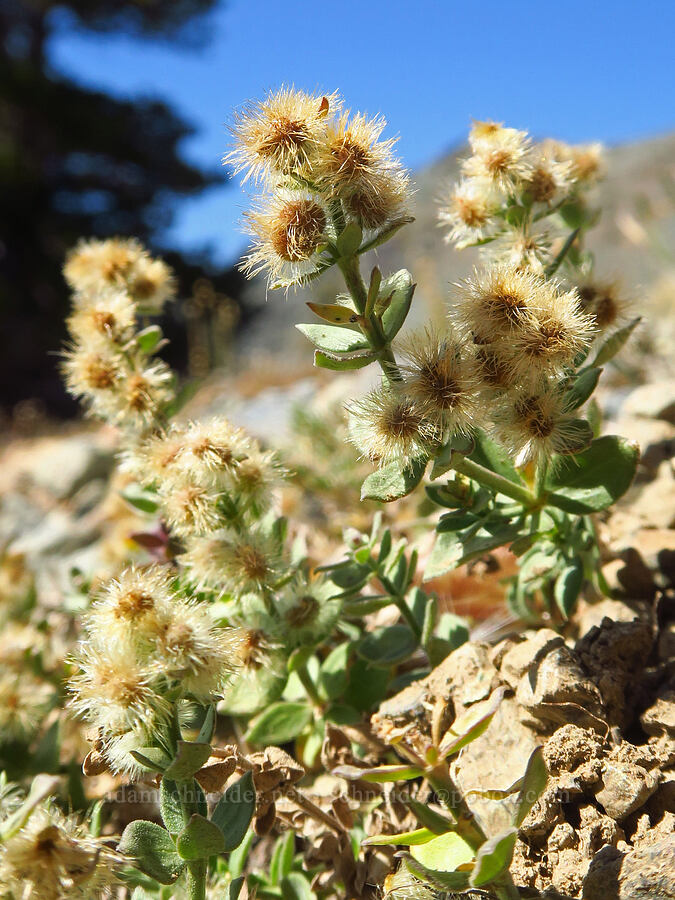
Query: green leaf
point(534, 782)
point(441, 880)
point(282, 857)
point(145, 501)
point(434, 821)
point(333, 672)
point(349, 241)
point(234, 811)
point(200, 839)
point(400, 288)
point(454, 548)
point(234, 888)
point(458, 443)
point(494, 857)
point(490, 454)
point(170, 806)
point(387, 232)
point(582, 388)
point(444, 853)
point(342, 714)
point(208, 726)
point(388, 645)
point(455, 521)
point(296, 887)
point(333, 339)
point(334, 313)
point(378, 774)
point(367, 685)
point(342, 363)
point(393, 481)
point(153, 851)
point(238, 857)
point(615, 342)
point(152, 758)
point(149, 338)
point(189, 759)
point(553, 266)
point(280, 723)
point(404, 839)
point(594, 479)
point(567, 587)
point(471, 724)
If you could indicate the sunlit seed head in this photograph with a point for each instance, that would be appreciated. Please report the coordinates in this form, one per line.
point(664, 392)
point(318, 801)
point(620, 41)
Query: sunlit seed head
point(24, 702)
point(309, 610)
point(534, 424)
point(141, 395)
point(95, 264)
point(89, 373)
point(549, 337)
point(154, 459)
point(232, 563)
point(116, 750)
point(588, 165)
point(352, 157)
point(604, 302)
point(440, 380)
point(151, 283)
point(550, 179)
point(54, 856)
point(131, 609)
point(288, 231)
point(501, 156)
point(387, 424)
point(468, 211)
point(113, 691)
point(256, 477)
point(189, 508)
point(491, 304)
point(193, 654)
point(381, 201)
point(101, 317)
point(279, 136)
point(523, 250)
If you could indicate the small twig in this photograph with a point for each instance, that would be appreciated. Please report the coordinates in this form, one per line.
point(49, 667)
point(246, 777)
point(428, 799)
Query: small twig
point(311, 808)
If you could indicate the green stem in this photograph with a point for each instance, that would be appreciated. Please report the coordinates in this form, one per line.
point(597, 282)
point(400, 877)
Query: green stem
point(196, 879)
point(507, 889)
point(308, 684)
point(370, 325)
point(453, 799)
point(492, 480)
point(404, 609)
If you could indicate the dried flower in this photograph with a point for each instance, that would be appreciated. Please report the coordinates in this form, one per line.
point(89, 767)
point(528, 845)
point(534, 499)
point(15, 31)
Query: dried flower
point(105, 316)
point(53, 856)
point(231, 562)
point(440, 380)
point(289, 231)
point(535, 424)
point(468, 212)
point(279, 136)
point(493, 302)
point(550, 179)
point(499, 155)
point(603, 301)
point(24, 702)
point(387, 424)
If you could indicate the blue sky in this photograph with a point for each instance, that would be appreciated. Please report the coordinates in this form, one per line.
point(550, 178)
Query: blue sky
point(598, 69)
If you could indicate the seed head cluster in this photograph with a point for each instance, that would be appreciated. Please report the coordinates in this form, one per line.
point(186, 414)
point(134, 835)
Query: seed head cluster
point(109, 364)
point(145, 648)
point(54, 856)
point(510, 191)
point(320, 166)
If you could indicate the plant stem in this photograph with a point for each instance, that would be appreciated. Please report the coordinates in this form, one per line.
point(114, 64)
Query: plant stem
point(453, 799)
point(195, 877)
point(492, 480)
point(370, 325)
point(306, 679)
point(404, 609)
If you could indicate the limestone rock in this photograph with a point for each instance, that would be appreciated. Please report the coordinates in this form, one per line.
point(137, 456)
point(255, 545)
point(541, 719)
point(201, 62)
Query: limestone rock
point(654, 400)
